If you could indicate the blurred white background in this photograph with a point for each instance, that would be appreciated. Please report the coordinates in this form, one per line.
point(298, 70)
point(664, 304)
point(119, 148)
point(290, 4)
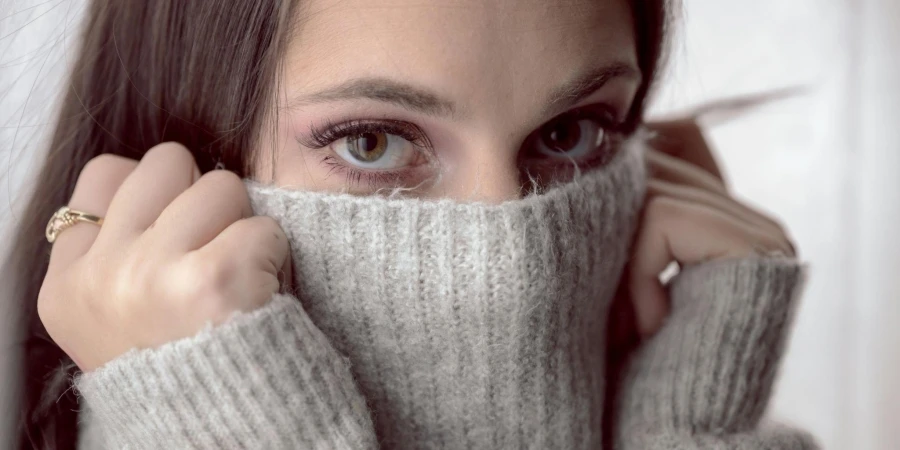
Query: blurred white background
point(826, 162)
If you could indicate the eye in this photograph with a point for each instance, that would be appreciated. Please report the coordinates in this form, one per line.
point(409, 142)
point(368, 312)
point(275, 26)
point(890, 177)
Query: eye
point(569, 138)
point(584, 138)
point(376, 150)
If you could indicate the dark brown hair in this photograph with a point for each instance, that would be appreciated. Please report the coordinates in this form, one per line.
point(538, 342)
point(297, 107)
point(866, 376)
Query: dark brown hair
point(199, 73)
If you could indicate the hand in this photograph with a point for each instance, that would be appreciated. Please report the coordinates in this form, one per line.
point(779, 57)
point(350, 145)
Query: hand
point(176, 251)
point(689, 217)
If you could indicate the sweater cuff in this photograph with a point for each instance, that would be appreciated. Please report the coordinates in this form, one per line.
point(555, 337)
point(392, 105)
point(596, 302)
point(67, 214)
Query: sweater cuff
point(711, 368)
point(264, 379)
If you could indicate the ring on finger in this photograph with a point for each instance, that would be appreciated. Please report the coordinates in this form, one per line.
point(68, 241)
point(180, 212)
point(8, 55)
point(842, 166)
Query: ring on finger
point(66, 217)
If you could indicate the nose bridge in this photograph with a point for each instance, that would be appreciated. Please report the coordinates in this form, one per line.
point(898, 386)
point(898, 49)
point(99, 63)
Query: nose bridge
point(487, 175)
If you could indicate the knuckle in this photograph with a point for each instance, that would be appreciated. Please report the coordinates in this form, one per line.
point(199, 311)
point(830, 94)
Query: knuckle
point(268, 225)
point(216, 275)
point(105, 166)
point(266, 231)
point(207, 286)
point(103, 163)
point(222, 179)
point(132, 280)
point(172, 151)
point(227, 185)
point(171, 156)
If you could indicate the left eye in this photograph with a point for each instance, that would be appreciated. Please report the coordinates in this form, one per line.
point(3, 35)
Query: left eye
point(376, 150)
point(569, 138)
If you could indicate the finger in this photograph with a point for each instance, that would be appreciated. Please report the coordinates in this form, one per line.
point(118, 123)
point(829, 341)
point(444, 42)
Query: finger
point(286, 274)
point(260, 242)
point(96, 186)
point(718, 201)
point(217, 200)
point(683, 139)
point(164, 172)
point(688, 233)
point(673, 170)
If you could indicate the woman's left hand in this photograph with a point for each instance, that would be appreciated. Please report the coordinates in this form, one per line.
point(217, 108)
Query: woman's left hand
point(689, 217)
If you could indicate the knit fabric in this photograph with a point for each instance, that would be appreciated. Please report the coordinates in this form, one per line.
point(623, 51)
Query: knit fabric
point(268, 379)
point(436, 324)
point(704, 381)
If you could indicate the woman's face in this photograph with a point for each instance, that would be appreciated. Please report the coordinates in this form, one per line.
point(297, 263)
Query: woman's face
point(466, 99)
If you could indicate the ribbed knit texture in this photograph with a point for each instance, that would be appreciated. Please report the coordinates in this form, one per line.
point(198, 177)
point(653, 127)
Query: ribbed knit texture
point(705, 380)
point(268, 379)
point(468, 326)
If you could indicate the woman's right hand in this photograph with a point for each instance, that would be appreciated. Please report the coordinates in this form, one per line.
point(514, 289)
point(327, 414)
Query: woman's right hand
point(176, 251)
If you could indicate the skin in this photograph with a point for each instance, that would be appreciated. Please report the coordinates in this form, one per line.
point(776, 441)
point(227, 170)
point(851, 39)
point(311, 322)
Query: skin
point(487, 72)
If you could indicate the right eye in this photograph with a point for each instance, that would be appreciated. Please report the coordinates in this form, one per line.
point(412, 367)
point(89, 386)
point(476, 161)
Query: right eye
point(378, 154)
point(376, 150)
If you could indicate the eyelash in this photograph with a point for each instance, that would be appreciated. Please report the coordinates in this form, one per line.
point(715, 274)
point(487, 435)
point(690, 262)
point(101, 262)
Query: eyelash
point(615, 132)
point(322, 136)
point(606, 118)
point(329, 132)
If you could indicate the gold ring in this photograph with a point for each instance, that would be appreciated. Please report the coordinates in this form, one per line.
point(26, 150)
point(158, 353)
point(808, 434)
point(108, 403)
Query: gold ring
point(64, 218)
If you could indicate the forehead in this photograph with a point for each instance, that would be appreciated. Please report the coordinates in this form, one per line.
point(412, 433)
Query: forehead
point(510, 49)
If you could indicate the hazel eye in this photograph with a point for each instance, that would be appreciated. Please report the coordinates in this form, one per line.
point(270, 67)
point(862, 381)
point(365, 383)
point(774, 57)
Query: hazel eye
point(376, 150)
point(569, 138)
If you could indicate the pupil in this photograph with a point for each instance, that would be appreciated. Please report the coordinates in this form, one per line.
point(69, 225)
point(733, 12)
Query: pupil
point(562, 136)
point(369, 142)
point(367, 147)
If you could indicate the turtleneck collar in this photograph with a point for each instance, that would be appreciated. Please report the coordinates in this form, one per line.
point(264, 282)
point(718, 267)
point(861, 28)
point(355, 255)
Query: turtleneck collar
point(438, 303)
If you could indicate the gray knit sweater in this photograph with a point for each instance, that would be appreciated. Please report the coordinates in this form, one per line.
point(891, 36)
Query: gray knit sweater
point(443, 325)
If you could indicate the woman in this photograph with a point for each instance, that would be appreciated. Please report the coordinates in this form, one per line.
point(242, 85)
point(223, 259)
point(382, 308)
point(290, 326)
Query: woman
point(495, 158)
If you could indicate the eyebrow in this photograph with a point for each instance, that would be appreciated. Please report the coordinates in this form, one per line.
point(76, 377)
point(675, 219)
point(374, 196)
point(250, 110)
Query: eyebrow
point(586, 84)
point(382, 90)
point(423, 101)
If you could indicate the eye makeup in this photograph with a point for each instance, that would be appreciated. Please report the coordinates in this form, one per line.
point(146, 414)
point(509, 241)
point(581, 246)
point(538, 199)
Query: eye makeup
point(579, 139)
point(321, 138)
point(329, 132)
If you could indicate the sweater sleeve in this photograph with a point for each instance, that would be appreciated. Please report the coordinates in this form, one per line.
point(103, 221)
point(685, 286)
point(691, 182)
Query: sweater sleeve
point(264, 379)
point(704, 381)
